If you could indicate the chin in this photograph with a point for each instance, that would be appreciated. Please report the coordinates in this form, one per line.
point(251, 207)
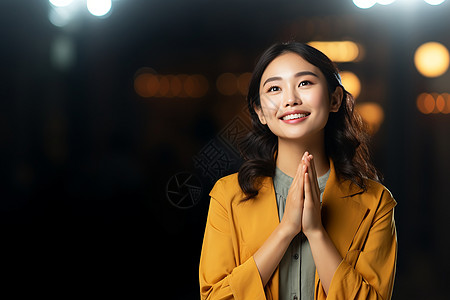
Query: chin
point(300, 136)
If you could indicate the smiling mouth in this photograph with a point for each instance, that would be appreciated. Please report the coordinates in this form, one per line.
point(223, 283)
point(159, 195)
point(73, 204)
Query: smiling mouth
point(295, 116)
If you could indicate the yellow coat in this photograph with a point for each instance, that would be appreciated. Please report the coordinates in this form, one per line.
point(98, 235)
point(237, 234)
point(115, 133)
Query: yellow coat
point(360, 224)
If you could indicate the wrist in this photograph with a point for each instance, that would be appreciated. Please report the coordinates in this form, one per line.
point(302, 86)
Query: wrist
point(316, 235)
point(286, 230)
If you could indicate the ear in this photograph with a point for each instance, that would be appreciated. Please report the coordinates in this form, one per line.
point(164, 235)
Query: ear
point(260, 114)
point(336, 99)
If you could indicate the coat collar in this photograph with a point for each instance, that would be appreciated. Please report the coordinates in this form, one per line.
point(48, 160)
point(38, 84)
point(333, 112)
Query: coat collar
point(340, 188)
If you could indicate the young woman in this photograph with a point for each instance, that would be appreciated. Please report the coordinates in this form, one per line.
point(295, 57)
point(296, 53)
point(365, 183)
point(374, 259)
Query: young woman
point(305, 216)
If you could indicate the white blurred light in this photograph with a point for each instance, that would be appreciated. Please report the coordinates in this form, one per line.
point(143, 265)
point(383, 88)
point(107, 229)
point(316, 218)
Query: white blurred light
point(99, 7)
point(62, 54)
point(364, 4)
point(59, 16)
point(434, 2)
point(62, 16)
point(60, 3)
point(385, 2)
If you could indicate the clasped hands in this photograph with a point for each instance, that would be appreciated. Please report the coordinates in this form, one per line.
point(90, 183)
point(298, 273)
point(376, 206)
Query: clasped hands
point(302, 210)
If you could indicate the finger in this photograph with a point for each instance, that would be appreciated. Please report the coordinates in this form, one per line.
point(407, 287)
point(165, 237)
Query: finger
point(305, 159)
point(307, 162)
point(313, 179)
point(313, 165)
point(308, 192)
point(299, 173)
point(300, 181)
point(297, 182)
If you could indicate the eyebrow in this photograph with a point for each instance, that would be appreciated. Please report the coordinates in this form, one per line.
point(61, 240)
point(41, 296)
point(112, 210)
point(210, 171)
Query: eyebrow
point(299, 74)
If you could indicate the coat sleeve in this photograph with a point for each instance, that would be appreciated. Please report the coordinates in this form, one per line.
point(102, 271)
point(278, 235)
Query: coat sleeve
point(221, 275)
point(369, 273)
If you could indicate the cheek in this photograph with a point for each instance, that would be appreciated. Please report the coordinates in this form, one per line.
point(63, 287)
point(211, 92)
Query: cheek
point(269, 105)
point(319, 101)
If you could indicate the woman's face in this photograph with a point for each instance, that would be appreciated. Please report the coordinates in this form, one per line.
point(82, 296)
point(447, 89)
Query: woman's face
point(295, 102)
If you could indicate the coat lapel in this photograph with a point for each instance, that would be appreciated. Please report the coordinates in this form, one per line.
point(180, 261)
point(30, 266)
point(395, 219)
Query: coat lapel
point(258, 216)
point(266, 215)
point(341, 213)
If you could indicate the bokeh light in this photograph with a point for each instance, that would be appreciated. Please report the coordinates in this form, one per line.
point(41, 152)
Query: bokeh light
point(99, 8)
point(425, 103)
point(446, 109)
point(59, 17)
point(338, 51)
point(434, 2)
point(440, 103)
point(385, 2)
point(62, 53)
point(148, 85)
point(351, 83)
point(164, 86)
point(60, 3)
point(196, 86)
point(364, 4)
point(175, 85)
point(372, 114)
point(227, 84)
point(432, 59)
point(243, 82)
point(181, 79)
point(435, 103)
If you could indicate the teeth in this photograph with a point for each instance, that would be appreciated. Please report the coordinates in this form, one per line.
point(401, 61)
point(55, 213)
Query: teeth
point(295, 116)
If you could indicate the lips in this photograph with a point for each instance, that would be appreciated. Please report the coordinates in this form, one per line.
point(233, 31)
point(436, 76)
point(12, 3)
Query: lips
point(293, 115)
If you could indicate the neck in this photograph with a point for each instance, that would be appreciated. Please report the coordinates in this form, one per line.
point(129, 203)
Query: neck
point(290, 153)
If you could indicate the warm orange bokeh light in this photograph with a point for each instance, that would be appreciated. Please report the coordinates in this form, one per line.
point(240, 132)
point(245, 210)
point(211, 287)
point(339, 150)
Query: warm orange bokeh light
point(446, 108)
point(196, 86)
point(146, 85)
point(433, 103)
point(440, 104)
point(372, 114)
point(164, 86)
point(175, 85)
point(351, 83)
point(432, 59)
point(227, 84)
point(338, 51)
point(243, 82)
point(149, 85)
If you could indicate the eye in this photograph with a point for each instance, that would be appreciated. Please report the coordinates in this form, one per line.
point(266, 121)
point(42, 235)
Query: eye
point(305, 83)
point(274, 89)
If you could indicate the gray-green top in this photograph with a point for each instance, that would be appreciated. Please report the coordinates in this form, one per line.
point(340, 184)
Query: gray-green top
point(297, 268)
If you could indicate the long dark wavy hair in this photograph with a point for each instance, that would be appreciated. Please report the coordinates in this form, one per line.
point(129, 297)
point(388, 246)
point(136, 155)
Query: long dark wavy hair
point(346, 137)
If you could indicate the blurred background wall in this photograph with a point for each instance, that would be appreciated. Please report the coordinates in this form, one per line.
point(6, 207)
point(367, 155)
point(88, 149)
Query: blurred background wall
point(117, 117)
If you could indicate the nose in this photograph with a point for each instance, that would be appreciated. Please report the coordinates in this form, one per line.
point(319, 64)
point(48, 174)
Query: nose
point(291, 98)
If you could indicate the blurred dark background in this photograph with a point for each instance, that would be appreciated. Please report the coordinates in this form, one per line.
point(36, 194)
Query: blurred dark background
point(113, 130)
